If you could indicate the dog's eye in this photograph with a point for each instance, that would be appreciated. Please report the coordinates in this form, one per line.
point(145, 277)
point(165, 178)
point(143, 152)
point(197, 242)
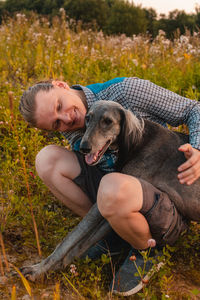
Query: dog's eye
point(87, 118)
point(107, 121)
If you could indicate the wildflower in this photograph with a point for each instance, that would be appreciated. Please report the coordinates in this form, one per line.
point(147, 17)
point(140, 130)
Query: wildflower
point(184, 39)
point(151, 243)
point(135, 62)
point(58, 62)
point(161, 32)
point(187, 56)
point(132, 258)
point(73, 270)
point(3, 280)
point(145, 281)
point(178, 59)
point(62, 10)
point(32, 175)
point(93, 51)
point(18, 15)
point(166, 42)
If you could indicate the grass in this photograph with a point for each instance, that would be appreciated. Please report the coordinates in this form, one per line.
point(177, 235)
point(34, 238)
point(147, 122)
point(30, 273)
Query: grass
point(32, 222)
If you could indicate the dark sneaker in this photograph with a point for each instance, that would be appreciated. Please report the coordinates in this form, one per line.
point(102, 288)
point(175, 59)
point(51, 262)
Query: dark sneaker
point(111, 245)
point(136, 272)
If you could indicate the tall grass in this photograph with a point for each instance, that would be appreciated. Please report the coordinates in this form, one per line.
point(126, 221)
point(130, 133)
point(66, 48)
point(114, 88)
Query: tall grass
point(33, 49)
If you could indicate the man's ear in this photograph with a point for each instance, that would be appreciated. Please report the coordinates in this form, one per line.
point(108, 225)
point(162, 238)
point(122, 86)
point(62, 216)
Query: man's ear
point(61, 84)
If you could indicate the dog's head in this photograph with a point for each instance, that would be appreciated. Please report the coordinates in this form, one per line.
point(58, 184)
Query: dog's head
point(108, 124)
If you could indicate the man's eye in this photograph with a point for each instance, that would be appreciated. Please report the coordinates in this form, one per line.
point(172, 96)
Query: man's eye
point(87, 118)
point(59, 106)
point(57, 124)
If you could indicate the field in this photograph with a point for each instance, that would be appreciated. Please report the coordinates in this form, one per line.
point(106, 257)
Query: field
point(32, 221)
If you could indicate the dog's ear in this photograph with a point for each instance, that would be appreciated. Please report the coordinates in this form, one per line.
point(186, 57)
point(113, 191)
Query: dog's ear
point(130, 134)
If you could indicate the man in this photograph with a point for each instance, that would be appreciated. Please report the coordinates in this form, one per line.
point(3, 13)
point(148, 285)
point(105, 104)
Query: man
point(123, 200)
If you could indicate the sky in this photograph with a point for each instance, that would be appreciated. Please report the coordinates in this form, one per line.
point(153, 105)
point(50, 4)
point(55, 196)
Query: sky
point(164, 6)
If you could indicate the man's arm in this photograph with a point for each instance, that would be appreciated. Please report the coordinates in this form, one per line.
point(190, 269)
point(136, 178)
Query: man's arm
point(162, 105)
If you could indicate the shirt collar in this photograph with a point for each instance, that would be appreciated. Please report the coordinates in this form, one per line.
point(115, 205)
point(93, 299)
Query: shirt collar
point(90, 96)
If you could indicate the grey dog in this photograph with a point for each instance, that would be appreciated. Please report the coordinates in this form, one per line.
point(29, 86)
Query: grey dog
point(145, 150)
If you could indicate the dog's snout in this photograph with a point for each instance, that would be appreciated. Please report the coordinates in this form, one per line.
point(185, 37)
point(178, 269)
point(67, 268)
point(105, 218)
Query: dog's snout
point(85, 147)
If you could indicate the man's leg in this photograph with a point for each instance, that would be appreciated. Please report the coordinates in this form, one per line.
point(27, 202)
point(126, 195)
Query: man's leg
point(120, 198)
point(57, 167)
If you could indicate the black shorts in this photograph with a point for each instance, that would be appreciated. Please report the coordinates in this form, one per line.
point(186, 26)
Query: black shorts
point(165, 222)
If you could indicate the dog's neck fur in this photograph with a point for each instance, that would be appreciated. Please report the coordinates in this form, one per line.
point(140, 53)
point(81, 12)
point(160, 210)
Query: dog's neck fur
point(129, 149)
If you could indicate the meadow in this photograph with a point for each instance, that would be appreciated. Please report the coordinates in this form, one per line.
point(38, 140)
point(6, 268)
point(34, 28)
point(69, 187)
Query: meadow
point(32, 222)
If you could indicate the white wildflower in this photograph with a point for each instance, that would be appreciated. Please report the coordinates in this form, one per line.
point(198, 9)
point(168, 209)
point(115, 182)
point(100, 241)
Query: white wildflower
point(135, 61)
point(184, 39)
point(62, 10)
point(178, 59)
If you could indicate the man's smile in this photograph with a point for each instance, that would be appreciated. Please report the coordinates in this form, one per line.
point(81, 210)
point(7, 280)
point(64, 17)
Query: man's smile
point(76, 120)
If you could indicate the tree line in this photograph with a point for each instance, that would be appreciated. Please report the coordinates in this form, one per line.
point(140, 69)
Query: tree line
point(110, 16)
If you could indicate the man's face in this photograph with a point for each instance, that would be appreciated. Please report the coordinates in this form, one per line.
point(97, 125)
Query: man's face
point(60, 109)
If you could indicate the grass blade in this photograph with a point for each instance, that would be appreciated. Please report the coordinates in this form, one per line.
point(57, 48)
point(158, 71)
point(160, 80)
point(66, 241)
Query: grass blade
point(24, 280)
point(13, 295)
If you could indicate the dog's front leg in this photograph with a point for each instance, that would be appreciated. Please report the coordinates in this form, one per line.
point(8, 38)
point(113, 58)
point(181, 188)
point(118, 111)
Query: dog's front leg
point(90, 230)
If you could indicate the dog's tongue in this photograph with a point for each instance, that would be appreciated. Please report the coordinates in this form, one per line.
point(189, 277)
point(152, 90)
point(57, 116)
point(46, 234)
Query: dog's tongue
point(91, 158)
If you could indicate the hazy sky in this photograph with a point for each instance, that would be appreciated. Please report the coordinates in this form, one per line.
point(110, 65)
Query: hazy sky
point(164, 6)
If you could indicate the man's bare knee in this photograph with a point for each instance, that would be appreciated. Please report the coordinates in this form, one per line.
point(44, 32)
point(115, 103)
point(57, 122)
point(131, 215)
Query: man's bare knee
point(114, 195)
point(109, 194)
point(53, 160)
point(45, 160)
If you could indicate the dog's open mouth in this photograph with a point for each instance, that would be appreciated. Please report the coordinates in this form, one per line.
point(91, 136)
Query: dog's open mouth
point(93, 158)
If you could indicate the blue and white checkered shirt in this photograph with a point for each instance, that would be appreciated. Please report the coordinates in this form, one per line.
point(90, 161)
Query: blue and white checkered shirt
point(144, 99)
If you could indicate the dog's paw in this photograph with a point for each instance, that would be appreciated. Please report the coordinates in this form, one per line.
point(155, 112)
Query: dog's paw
point(31, 272)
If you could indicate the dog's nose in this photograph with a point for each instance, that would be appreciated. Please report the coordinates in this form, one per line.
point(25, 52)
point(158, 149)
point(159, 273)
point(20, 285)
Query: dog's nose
point(85, 147)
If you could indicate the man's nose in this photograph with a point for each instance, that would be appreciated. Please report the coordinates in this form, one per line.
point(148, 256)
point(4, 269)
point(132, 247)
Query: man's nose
point(65, 118)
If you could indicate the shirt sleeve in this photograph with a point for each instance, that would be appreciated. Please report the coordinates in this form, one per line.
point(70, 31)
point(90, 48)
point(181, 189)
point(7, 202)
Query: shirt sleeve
point(159, 104)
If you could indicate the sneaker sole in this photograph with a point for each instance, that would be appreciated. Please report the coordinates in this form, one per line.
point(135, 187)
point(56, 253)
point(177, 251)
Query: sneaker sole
point(140, 285)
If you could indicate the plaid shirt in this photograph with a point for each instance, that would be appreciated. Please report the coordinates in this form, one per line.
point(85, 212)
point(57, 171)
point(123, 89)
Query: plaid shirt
point(144, 99)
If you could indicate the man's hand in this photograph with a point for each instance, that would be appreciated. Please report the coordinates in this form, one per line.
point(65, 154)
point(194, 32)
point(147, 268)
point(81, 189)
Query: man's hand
point(190, 170)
